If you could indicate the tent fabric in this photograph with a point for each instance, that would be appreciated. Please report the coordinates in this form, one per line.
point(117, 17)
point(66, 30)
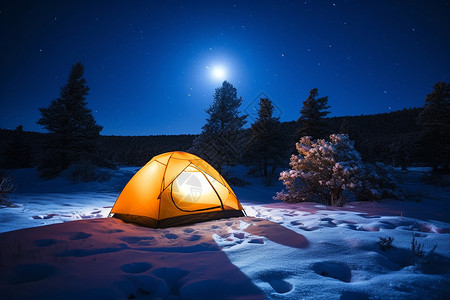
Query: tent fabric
point(176, 188)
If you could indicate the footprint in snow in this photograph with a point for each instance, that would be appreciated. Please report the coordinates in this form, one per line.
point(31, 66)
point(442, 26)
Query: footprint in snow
point(364, 215)
point(306, 228)
point(386, 225)
point(79, 236)
point(352, 226)
point(290, 214)
point(277, 280)
point(44, 242)
point(334, 270)
point(173, 277)
point(188, 230)
point(295, 223)
point(351, 295)
point(114, 231)
point(135, 268)
point(49, 216)
point(193, 238)
point(171, 236)
point(328, 222)
point(137, 240)
point(239, 235)
point(257, 220)
point(256, 241)
point(31, 272)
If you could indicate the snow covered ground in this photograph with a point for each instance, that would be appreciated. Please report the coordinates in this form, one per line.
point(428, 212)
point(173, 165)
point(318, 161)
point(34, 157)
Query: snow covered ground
point(280, 251)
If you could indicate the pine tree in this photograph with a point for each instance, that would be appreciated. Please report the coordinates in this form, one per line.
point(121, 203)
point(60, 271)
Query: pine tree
point(220, 141)
point(17, 154)
point(434, 121)
point(73, 131)
point(265, 147)
point(313, 112)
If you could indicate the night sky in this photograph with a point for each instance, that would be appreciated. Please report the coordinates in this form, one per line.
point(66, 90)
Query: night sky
point(151, 65)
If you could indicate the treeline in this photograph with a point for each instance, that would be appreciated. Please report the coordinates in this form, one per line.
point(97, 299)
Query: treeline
point(23, 149)
point(392, 138)
point(138, 150)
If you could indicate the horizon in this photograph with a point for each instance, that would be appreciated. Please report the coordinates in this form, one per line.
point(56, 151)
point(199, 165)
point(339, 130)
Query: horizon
point(152, 67)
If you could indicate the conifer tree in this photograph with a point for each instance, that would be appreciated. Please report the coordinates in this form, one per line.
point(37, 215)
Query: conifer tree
point(312, 114)
point(17, 154)
point(220, 141)
point(73, 131)
point(435, 126)
point(265, 147)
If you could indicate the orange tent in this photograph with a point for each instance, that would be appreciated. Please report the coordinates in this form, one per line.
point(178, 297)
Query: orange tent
point(176, 188)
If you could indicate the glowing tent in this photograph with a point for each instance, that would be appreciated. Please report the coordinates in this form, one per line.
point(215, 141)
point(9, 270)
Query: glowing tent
point(176, 188)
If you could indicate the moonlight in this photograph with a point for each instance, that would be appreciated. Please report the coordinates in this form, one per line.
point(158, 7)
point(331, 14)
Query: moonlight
point(218, 73)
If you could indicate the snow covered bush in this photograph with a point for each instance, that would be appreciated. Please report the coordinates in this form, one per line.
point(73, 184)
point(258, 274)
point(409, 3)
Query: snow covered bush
point(322, 171)
point(377, 183)
point(6, 187)
point(85, 172)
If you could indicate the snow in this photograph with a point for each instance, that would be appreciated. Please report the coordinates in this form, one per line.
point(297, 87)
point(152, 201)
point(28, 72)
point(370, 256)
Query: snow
point(280, 251)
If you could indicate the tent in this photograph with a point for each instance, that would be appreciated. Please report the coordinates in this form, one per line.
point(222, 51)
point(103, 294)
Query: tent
point(176, 188)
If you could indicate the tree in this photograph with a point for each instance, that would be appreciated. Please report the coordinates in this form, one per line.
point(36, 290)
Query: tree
point(265, 147)
point(17, 154)
point(73, 131)
point(322, 171)
point(434, 121)
point(312, 114)
point(220, 141)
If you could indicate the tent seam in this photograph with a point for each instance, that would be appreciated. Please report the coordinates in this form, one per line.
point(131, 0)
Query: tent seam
point(162, 185)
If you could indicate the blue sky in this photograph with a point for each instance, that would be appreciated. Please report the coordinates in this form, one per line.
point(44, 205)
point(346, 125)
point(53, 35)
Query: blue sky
point(149, 64)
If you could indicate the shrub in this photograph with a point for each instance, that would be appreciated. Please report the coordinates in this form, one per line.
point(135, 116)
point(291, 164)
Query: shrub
point(385, 243)
point(322, 171)
point(418, 250)
point(377, 183)
point(85, 172)
point(6, 187)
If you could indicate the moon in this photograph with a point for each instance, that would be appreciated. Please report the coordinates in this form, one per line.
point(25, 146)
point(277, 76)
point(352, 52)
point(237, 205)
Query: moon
point(219, 73)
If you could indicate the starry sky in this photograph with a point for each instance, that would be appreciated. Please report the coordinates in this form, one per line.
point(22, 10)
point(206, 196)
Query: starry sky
point(151, 65)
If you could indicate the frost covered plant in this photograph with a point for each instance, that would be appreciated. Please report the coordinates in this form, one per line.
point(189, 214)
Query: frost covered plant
point(6, 187)
point(417, 250)
point(322, 171)
point(385, 243)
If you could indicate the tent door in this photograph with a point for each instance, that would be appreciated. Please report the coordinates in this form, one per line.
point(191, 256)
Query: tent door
point(192, 192)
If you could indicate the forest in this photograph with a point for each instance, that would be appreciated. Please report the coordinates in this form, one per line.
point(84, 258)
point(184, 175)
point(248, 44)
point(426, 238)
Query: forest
point(392, 138)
